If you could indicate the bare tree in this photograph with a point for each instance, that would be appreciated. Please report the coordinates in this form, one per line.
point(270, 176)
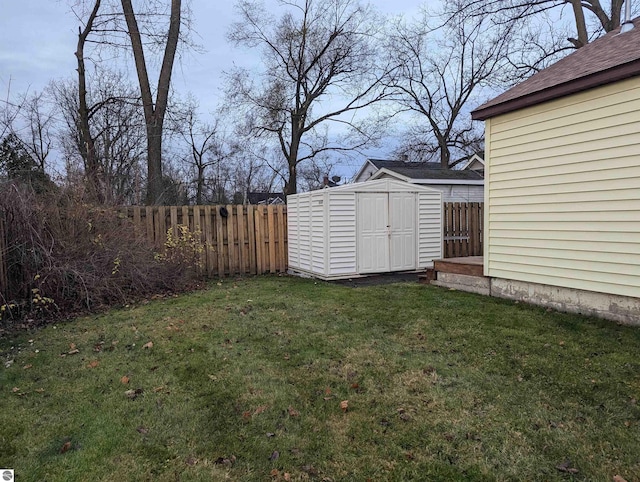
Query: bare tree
point(117, 132)
point(116, 24)
point(30, 121)
point(439, 73)
point(208, 153)
point(154, 110)
point(320, 66)
point(587, 19)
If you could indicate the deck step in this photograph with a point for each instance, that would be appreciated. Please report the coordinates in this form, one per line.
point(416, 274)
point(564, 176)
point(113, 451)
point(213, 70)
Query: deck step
point(444, 266)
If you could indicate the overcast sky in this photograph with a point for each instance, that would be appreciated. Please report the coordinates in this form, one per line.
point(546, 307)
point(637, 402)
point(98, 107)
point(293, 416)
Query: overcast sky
point(38, 40)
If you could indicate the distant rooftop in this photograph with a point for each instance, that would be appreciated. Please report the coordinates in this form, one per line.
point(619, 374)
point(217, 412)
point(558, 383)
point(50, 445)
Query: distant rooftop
point(425, 170)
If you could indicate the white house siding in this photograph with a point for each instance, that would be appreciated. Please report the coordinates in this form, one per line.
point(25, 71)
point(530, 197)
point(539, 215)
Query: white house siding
point(366, 173)
point(563, 192)
point(342, 235)
point(453, 193)
point(457, 193)
point(429, 229)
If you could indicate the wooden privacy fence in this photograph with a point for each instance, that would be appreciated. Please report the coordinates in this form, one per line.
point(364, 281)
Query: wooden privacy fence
point(462, 229)
point(253, 239)
point(236, 239)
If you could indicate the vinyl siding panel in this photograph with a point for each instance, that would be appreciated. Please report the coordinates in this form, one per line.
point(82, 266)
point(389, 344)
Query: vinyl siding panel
point(563, 192)
point(342, 235)
point(293, 245)
point(318, 238)
point(429, 228)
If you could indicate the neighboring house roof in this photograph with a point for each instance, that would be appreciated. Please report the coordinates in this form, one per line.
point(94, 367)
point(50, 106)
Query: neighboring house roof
point(477, 158)
point(266, 198)
point(613, 57)
point(424, 173)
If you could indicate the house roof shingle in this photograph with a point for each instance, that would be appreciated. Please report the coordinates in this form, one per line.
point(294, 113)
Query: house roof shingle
point(613, 57)
point(425, 170)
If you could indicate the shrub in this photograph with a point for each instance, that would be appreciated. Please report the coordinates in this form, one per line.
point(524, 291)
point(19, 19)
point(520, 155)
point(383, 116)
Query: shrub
point(65, 255)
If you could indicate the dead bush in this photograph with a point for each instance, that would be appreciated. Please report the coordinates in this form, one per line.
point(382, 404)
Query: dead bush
point(65, 255)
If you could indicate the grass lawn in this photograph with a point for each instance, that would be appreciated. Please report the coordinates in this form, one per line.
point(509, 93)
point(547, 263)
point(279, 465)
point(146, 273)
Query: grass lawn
point(278, 378)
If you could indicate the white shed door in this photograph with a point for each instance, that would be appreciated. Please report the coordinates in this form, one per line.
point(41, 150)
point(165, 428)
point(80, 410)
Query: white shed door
point(373, 232)
point(402, 217)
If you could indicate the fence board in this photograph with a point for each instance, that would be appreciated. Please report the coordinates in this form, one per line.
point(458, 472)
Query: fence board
point(251, 234)
point(253, 239)
point(462, 230)
point(250, 240)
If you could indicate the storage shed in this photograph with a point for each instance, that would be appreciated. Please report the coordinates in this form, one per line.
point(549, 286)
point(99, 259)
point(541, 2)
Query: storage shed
point(364, 228)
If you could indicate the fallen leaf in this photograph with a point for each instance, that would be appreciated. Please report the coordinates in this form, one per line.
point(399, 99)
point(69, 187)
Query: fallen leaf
point(274, 455)
point(133, 394)
point(566, 467)
point(40, 390)
point(260, 409)
point(225, 460)
point(191, 461)
point(617, 478)
point(26, 367)
point(158, 389)
point(93, 364)
point(344, 405)
point(124, 380)
point(355, 386)
point(274, 473)
point(286, 476)
point(561, 343)
point(148, 345)
point(142, 430)
point(15, 389)
point(271, 434)
point(73, 352)
point(65, 447)
point(246, 414)
point(293, 412)
point(72, 346)
point(327, 391)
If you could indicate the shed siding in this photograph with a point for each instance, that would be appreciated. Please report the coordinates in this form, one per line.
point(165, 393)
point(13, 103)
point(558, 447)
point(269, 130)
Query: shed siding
point(563, 192)
point(304, 231)
point(293, 233)
point(429, 229)
point(342, 235)
point(317, 232)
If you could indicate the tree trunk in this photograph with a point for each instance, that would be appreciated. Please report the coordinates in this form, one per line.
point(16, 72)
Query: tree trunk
point(581, 25)
point(445, 157)
point(200, 185)
point(154, 112)
point(87, 148)
point(155, 188)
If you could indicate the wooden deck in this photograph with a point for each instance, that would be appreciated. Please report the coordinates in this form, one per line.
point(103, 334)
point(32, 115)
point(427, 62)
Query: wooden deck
point(470, 265)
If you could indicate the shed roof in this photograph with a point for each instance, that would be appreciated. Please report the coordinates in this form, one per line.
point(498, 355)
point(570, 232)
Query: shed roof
point(378, 185)
point(613, 57)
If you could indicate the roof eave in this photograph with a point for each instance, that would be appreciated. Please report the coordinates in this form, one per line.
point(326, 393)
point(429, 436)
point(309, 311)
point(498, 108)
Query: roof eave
point(620, 72)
